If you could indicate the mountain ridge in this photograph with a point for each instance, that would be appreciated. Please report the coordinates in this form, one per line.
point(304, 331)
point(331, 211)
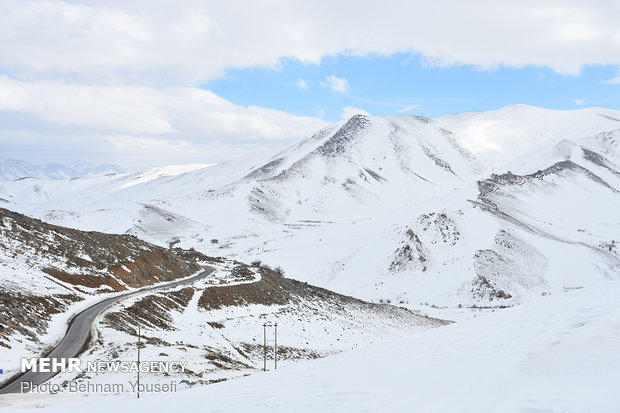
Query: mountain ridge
point(351, 193)
point(12, 169)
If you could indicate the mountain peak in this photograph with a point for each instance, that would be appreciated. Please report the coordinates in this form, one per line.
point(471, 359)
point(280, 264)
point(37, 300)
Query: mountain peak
point(341, 140)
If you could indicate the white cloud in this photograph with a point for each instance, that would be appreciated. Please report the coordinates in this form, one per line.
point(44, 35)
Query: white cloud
point(78, 72)
point(338, 84)
point(150, 111)
point(302, 84)
point(408, 108)
point(128, 142)
point(190, 41)
point(350, 111)
point(614, 80)
point(580, 101)
point(123, 119)
point(132, 109)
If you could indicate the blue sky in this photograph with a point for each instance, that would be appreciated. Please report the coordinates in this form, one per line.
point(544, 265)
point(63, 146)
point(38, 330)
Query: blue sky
point(385, 85)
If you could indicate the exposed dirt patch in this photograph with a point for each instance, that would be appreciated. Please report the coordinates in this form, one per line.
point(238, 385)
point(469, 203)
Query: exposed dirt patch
point(266, 292)
point(257, 352)
point(152, 310)
point(89, 259)
point(90, 281)
point(29, 314)
point(224, 360)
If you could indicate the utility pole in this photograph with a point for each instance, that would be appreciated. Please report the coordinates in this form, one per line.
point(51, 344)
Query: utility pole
point(264, 346)
point(138, 382)
point(275, 345)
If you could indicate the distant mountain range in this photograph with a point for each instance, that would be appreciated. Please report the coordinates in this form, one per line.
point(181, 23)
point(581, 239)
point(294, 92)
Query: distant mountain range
point(12, 169)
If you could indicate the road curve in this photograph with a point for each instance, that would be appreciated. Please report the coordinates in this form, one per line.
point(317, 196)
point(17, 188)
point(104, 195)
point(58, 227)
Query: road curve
point(78, 334)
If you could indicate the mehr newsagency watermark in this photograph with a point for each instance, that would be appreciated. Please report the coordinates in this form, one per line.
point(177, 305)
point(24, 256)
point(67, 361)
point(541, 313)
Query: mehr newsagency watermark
point(74, 365)
point(73, 386)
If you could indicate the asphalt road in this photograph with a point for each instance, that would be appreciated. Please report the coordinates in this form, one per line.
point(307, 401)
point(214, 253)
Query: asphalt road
point(78, 334)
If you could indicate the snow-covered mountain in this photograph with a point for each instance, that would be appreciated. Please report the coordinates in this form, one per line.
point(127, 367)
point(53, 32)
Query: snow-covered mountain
point(459, 217)
point(11, 169)
point(466, 209)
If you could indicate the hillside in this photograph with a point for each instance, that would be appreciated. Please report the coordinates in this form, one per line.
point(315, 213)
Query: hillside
point(557, 353)
point(48, 273)
point(46, 269)
point(465, 209)
point(216, 326)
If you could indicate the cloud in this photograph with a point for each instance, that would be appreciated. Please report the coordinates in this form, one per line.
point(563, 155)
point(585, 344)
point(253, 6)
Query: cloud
point(146, 110)
point(123, 119)
point(75, 73)
point(338, 84)
point(614, 80)
point(302, 84)
point(408, 108)
point(349, 111)
point(128, 142)
point(580, 101)
point(188, 42)
point(132, 109)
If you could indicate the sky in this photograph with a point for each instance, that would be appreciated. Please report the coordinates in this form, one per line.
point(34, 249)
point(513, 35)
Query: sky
point(149, 82)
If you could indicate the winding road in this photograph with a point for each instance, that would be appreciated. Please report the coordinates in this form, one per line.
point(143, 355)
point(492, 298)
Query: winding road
point(78, 334)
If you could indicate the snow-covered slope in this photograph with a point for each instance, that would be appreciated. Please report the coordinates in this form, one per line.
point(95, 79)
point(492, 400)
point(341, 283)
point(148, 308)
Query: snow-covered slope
point(46, 271)
point(351, 168)
point(555, 353)
point(216, 326)
point(388, 208)
point(498, 137)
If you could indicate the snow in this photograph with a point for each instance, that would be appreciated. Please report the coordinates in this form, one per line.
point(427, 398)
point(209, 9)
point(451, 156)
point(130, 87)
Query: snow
point(225, 343)
point(338, 209)
point(550, 354)
point(498, 137)
point(349, 193)
point(155, 173)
